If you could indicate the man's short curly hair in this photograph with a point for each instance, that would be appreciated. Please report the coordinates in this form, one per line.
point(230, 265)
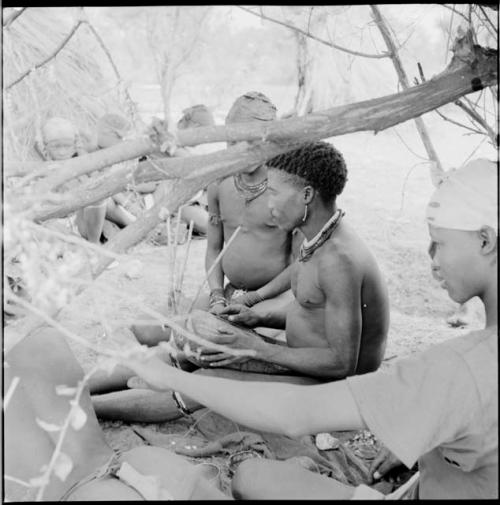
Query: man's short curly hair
point(317, 164)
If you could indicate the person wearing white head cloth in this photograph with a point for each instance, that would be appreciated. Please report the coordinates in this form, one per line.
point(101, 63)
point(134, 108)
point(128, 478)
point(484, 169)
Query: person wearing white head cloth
point(438, 408)
point(449, 207)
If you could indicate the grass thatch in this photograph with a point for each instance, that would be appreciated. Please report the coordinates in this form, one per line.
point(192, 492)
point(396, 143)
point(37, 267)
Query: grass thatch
point(78, 83)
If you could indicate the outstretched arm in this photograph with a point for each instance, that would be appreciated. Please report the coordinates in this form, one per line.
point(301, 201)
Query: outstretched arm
point(273, 408)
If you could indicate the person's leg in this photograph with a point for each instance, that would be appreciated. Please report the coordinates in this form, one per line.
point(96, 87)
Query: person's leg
point(136, 405)
point(151, 335)
point(182, 479)
point(103, 382)
point(117, 214)
point(42, 361)
point(203, 302)
point(258, 479)
point(26, 446)
point(154, 470)
point(93, 217)
point(198, 215)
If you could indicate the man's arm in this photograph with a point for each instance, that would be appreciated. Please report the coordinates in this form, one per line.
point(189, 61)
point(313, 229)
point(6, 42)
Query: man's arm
point(276, 286)
point(273, 408)
point(341, 285)
point(215, 242)
point(241, 314)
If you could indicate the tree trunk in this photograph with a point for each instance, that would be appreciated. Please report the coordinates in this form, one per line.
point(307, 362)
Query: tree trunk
point(303, 98)
point(403, 79)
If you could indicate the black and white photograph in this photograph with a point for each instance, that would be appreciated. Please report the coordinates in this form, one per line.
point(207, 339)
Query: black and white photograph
point(250, 252)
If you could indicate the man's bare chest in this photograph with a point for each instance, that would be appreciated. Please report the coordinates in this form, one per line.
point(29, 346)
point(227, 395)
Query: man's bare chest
point(305, 284)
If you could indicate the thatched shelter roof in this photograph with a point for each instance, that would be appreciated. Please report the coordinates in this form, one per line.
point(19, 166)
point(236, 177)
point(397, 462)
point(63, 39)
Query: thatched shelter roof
point(77, 81)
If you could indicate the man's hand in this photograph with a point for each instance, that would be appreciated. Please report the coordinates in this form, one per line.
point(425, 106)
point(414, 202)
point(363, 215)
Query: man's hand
point(384, 463)
point(250, 298)
point(237, 340)
point(152, 372)
point(241, 314)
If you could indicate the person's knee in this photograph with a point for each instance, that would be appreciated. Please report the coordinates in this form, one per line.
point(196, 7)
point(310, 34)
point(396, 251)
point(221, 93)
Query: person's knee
point(245, 479)
point(150, 335)
point(52, 355)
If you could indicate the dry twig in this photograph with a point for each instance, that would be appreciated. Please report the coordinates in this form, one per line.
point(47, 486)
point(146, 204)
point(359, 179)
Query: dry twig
point(314, 37)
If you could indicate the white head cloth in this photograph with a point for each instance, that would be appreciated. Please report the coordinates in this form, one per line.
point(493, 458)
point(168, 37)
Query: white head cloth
point(467, 199)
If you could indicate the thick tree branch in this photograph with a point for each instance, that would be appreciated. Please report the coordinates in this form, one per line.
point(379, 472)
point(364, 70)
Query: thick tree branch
point(467, 73)
point(46, 60)
point(202, 169)
point(310, 35)
point(403, 79)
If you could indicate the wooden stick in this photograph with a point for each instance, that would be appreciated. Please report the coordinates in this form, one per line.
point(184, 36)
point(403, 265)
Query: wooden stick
point(190, 235)
point(174, 258)
point(215, 263)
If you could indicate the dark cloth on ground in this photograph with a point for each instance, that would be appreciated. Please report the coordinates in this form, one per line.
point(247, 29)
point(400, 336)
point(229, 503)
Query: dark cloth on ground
point(216, 435)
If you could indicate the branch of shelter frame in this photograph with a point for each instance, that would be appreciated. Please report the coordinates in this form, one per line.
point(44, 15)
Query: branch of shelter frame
point(469, 71)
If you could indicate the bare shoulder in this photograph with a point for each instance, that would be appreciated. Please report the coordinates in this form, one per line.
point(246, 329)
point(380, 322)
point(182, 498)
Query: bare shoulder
point(345, 250)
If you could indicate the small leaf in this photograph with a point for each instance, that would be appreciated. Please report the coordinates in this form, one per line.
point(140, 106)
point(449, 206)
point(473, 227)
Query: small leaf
point(78, 418)
point(47, 426)
point(63, 390)
point(63, 466)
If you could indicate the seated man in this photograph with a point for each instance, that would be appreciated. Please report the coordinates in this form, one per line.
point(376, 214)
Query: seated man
point(439, 408)
point(261, 251)
point(337, 323)
point(95, 472)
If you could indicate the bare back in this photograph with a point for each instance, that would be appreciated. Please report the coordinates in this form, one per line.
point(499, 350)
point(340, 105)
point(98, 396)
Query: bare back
point(261, 250)
point(340, 302)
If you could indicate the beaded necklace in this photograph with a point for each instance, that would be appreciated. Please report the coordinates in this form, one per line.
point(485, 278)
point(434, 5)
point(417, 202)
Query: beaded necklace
point(306, 251)
point(249, 191)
